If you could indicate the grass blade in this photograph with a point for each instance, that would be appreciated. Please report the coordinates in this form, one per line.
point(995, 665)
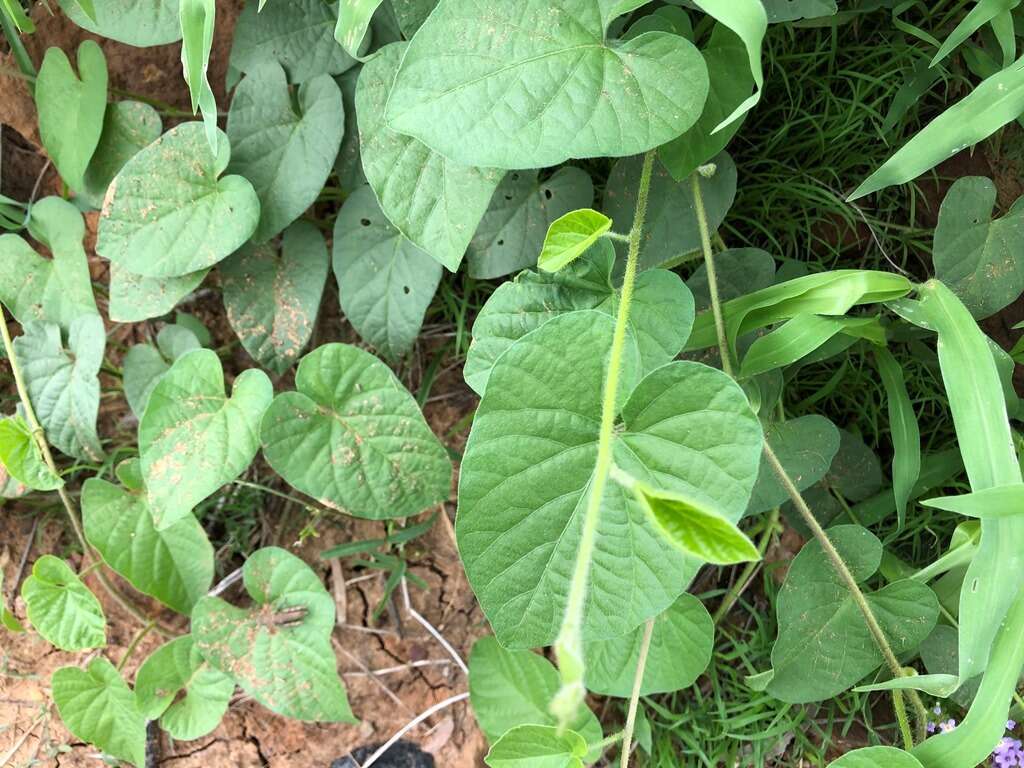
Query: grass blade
point(906, 436)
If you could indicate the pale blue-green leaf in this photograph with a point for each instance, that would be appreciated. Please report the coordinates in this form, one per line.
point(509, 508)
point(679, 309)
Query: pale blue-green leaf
point(61, 608)
point(128, 127)
point(140, 23)
point(570, 236)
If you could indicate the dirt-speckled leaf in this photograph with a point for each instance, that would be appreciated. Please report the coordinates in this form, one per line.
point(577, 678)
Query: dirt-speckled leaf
point(537, 746)
point(174, 565)
point(71, 108)
point(805, 446)
point(136, 22)
point(511, 233)
point(385, 282)
point(134, 298)
point(22, 458)
point(876, 757)
point(61, 608)
point(167, 214)
point(298, 35)
point(279, 650)
point(570, 236)
point(530, 460)
point(99, 708)
point(824, 647)
point(532, 84)
point(977, 257)
point(56, 290)
point(193, 438)
point(670, 228)
point(661, 316)
point(286, 149)
point(128, 128)
point(353, 437)
point(145, 365)
point(510, 688)
point(272, 295)
point(436, 202)
point(178, 686)
point(680, 651)
point(63, 384)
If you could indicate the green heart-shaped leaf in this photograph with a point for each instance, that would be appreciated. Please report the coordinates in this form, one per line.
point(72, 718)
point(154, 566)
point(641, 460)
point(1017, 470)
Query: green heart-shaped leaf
point(353, 437)
point(56, 290)
point(193, 438)
point(21, 456)
point(530, 460)
point(64, 385)
point(128, 128)
point(178, 686)
point(98, 707)
point(272, 295)
point(174, 565)
point(511, 233)
point(71, 109)
point(661, 317)
point(805, 447)
point(570, 236)
point(532, 85)
point(141, 23)
point(680, 650)
point(537, 746)
point(436, 202)
point(134, 298)
point(824, 647)
point(61, 607)
point(385, 282)
point(793, 10)
point(167, 213)
point(145, 365)
point(285, 149)
point(279, 651)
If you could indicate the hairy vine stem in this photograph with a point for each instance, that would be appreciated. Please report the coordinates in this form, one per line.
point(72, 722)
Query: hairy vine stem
point(634, 699)
point(836, 559)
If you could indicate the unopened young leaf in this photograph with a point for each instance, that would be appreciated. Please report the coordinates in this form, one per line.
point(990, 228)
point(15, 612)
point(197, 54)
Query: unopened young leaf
point(570, 236)
point(353, 437)
point(140, 23)
point(193, 438)
point(61, 608)
point(385, 281)
point(279, 650)
point(128, 128)
point(537, 746)
point(167, 214)
point(906, 435)
point(272, 295)
point(21, 456)
point(198, 18)
point(98, 707)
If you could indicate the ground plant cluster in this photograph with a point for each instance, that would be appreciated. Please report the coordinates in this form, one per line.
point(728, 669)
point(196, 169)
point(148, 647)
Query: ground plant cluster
point(681, 334)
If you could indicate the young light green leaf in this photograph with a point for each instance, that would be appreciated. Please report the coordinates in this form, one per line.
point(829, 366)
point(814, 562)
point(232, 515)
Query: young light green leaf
point(670, 227)
point(61, 608)
point(298, 35)
point(63, 384)
point(992, 104)
point(435, 202)
point(975, 255)
point(198, 18)
point(353, 437)
point(385, 282)
point(538, 424)
point(747, 18)
point(739, 271)
point(537, 746)
point(661, 316)
point(286, 150)
point(145, 365)
point(994, 502)
point(522, 208)
point(21, 456)
point(128, 128)
point(824, 647)
point(906, 436)
point(680, 650)
point(547, 89)
point(696, 528)
point(570, 236)
point(193, 438)
point(71, 108)
point(174, 565)
point(98, 707)
point(279, 651)
point(806, 447)
point(167, 214)
point(272, 295)
point(178, 686)
point(511, 688)
point(802, 335)
point(354, 18)
point(56, 290)
point(142, 23)
point(134, 298)
point(876, 757)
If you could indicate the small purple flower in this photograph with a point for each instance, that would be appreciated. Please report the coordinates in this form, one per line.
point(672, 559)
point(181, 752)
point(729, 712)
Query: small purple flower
point(931, 727)
point(1011, 724)
point(948, 725)
point(1008, 754)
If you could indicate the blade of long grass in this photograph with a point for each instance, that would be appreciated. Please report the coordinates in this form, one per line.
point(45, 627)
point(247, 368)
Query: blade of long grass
point(906, 436)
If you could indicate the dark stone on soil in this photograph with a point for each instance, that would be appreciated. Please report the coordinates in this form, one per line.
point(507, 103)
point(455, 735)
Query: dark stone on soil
point(402, 754)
